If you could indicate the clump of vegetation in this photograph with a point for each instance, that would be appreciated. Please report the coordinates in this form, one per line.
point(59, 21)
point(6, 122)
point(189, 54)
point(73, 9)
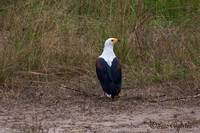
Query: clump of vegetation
point(41, 40)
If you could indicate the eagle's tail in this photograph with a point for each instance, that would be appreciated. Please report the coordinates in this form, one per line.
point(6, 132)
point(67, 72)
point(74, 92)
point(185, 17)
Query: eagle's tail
point(116, 91)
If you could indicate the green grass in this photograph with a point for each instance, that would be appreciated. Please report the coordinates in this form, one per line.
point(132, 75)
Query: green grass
point(159, 39)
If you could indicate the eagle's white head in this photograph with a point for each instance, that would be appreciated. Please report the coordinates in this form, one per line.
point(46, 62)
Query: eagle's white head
point(110, 42)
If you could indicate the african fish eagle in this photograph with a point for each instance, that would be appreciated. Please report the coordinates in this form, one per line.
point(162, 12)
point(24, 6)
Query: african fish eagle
point(108, 69)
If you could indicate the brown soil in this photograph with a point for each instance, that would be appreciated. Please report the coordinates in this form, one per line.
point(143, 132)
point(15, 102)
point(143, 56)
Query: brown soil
point(78, 112)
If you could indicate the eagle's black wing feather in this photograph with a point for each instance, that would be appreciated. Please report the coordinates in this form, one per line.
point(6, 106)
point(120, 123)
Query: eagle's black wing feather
point(117, 75)
point(104, 75)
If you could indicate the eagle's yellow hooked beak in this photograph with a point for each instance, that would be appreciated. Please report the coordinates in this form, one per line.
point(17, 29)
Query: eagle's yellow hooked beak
point(115, 40)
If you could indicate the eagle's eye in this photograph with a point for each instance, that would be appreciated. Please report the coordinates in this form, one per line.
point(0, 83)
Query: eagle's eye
point(112, 40)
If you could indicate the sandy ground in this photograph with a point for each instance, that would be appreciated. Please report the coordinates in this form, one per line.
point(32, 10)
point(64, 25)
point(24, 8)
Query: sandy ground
point(79, 113)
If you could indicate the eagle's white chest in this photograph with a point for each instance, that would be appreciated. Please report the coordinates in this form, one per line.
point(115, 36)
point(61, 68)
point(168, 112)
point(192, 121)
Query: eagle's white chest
point(108, 56)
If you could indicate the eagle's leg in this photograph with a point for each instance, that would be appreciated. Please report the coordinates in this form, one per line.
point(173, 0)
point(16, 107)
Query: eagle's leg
point(104, 94)
point(121, 94)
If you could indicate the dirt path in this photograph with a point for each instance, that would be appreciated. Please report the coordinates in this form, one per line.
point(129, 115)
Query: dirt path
point(80, 113)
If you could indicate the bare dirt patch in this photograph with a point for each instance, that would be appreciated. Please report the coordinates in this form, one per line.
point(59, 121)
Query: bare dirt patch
point(77, 112)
